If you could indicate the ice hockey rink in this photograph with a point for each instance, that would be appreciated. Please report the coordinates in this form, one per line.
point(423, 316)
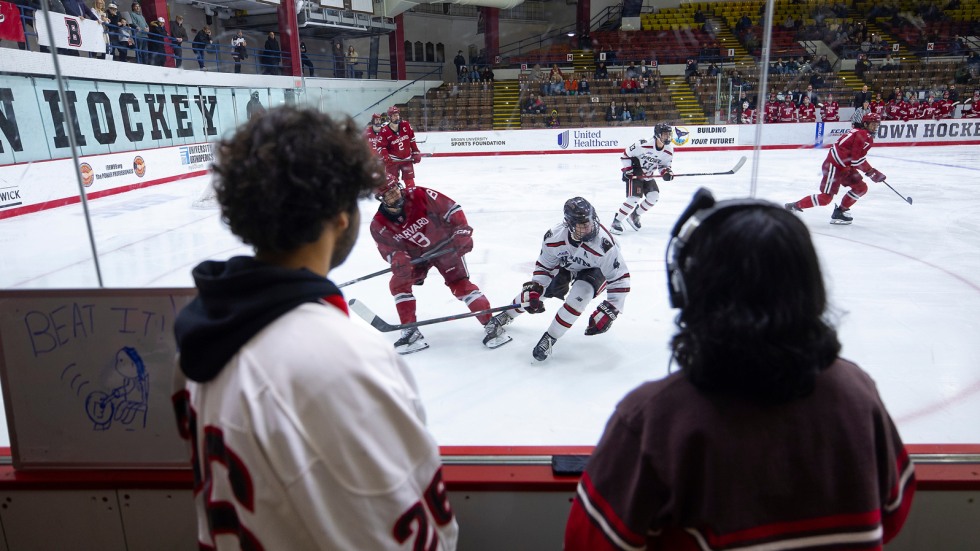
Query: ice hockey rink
point(904, 282)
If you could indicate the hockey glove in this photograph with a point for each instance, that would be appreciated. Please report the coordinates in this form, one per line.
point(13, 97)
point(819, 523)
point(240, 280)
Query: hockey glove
point(463, 240)
point(416, 157)
point(667, 174)
point(627, 175)
point(875, 175)
point(601, 320)
point(401, 264)
point(531, 295)
point(637, 167)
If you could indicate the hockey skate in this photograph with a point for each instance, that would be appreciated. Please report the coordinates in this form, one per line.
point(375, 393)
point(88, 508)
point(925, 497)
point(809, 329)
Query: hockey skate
point(792, 207)
point(634, 220)
point(543, 349)
point(616, 227)
point(411, 341)
point(841, 216)
point(496, 336)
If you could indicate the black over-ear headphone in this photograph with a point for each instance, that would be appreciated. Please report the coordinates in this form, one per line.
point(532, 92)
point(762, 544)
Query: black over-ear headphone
point(703, 206)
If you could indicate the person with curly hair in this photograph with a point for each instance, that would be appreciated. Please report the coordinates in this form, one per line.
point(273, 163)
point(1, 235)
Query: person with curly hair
point(306, 430)
point(766, 438)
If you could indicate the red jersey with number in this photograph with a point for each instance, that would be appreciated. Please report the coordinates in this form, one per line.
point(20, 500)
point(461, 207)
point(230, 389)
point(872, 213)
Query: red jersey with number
point(748, 116)
point(830, 112)
point(399, 141)
point(787, 112)
point(851, 150)
point(376, 141)
point(772, 111)
point(806, 112)
point(427, 219)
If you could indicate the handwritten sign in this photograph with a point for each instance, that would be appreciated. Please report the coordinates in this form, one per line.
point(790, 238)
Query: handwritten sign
point(87, 377)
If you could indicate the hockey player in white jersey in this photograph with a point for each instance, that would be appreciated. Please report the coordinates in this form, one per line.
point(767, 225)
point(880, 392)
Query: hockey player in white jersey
point(642, 162)
point(579, 260)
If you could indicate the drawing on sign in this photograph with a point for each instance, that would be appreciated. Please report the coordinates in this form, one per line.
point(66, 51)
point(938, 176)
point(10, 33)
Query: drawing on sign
point(127, 402)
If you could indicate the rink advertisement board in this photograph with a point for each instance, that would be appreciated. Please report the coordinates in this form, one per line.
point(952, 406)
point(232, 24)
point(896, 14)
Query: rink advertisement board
point(572, 140)
point(30, 187)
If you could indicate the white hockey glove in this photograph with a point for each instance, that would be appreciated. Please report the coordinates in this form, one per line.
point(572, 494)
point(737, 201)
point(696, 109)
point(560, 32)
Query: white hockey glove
point(601, 320)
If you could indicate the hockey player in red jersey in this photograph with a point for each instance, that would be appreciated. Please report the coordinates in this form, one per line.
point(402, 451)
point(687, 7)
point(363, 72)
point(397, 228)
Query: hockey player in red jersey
point(417, 229)
point(375, 138)
point(787, 111)
point(403, 152)
point(806, 112)
point(772, 109)
point(830, 110)
point(971, 107)
point(748, 114)
point(579, 260)
point(845, 158)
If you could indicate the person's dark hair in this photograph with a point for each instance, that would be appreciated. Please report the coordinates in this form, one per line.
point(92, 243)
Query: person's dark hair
point(284, 174)
point(754, 324)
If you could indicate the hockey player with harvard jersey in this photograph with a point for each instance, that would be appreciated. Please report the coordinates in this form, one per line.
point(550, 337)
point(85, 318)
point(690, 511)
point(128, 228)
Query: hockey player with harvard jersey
point(579, 260)
point(829, 109)
point(398, 139)
point(375, 138)
point(846, 157)
point(642, 162)
point(305, 430)
point(417, 229)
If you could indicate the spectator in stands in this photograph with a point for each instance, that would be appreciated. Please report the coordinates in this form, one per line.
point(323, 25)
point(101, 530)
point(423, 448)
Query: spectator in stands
point(339, 65)
point(713, 69)
point(627, 86)
point(272, 53)
point(557, 87)
point(889, 63)
point(474, 75)
point(350, 58)
point(583, 87)
point(156, 42)
point(534, 105)
point(122, 39)
point(179, 35)
point(613, 113)
point(698, 16)
point(822, 65)
point(896, 94)
point(632, 71)
point(646, 71)
point(862, 66)
point(140, 29)
point(862, 96)
point(464, 74)
point(691, 69)
point(571, 85)
point(553, 120)
point(459, 61)
point(953, 94)
point(487, 74)
point(627, 115)
point(202, 41)
point(239, 50)
point(537, 73)
point(305, 60)
point(601, 72)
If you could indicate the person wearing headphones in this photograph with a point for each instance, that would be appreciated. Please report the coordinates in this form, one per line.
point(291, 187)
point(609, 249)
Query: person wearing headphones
point(765, 437)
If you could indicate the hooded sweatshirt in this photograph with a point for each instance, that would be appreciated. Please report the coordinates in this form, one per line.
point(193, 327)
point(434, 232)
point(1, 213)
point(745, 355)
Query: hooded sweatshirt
point(237, 299)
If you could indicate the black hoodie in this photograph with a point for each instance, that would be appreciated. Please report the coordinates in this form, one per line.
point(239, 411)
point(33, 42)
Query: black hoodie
point(237, 299)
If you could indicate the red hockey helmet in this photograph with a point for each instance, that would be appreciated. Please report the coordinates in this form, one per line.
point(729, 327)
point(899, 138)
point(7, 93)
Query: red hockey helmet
point(391, 183)
point(377, 119)
point(392, 111)
point(870, 117)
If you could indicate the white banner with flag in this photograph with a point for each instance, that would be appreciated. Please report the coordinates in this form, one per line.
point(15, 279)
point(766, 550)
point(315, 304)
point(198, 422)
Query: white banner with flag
point(73, 33)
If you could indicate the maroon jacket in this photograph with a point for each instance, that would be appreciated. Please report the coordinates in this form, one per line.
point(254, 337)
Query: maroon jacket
point(681, 469)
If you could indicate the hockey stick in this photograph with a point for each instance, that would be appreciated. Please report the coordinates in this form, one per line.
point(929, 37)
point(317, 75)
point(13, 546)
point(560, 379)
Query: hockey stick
point(734, 169)
point(907, 199)
point(381, 325)
point(419, 260)
point(408, 160)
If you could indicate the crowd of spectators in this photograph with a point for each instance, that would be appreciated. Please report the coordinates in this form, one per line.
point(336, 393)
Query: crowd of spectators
point(130, 36)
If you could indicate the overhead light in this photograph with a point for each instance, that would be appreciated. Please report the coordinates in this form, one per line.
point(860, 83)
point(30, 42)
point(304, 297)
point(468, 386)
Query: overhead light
point(570, 33)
